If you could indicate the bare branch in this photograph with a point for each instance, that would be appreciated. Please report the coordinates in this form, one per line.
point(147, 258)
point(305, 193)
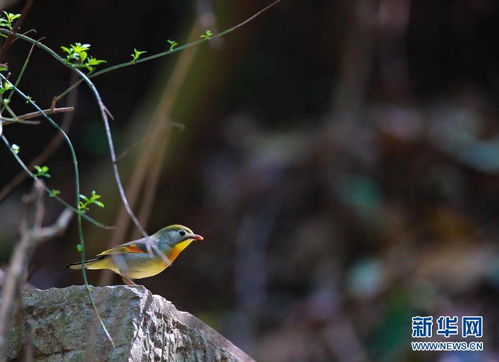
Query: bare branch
point(8, 121)
point(57, 228)
point(31, 233)
point(46, 111)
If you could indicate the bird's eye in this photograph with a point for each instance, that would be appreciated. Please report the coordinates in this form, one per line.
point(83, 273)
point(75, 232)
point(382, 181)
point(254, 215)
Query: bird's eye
point(182, 233)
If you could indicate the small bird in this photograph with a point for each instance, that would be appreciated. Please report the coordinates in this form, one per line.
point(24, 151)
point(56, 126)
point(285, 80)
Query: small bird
point(144, 257)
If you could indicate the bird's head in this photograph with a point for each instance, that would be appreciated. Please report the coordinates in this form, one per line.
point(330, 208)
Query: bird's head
point(176, 234)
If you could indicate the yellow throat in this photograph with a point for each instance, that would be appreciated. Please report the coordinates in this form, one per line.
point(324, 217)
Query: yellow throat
point(177, 249)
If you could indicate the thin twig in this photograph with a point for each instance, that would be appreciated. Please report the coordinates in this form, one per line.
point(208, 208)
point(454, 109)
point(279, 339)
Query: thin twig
point(9, 121)
point(46, 111)
point(22, 119)
point(19, 77)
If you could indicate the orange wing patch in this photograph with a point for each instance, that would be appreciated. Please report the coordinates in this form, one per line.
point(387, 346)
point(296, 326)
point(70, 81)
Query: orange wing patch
point(133, 248)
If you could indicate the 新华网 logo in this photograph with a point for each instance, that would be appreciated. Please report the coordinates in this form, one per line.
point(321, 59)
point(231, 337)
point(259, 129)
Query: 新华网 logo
point(447, 327)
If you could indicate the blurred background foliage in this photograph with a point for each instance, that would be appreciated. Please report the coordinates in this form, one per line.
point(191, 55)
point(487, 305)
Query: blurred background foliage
point(340, 158)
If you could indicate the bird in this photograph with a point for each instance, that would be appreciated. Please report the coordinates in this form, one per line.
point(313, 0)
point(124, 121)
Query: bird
point(144, 257)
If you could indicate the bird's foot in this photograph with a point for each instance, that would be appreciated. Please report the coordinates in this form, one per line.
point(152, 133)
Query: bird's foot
point(128, 281)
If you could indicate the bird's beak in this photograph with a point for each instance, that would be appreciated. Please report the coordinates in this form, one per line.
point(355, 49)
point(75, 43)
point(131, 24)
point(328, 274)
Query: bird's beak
point(197, 237)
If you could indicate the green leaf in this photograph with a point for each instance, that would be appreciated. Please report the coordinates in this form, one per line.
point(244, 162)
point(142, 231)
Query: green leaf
point(54, 193)
point(95, 61)
point(6, 22)
point(79, 47)
point(66, 49)
point(78, 56)
point(207, 35)
point(136, 54)
point(172, 43)
point(83, 206)
point(41, 171)
point(91, 62)
point(11, 17)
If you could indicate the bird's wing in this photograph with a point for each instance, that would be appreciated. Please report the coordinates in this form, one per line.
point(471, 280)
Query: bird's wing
point(135, 246)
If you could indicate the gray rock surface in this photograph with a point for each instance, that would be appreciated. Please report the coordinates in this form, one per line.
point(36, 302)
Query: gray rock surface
point(60, 325)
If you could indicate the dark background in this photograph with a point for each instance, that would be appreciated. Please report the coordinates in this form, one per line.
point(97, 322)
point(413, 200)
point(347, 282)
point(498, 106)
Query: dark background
point(340, 158)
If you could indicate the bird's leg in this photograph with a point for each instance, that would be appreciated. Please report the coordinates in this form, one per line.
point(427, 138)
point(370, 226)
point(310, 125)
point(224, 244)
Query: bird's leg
point(127, 280)
point(123, 267)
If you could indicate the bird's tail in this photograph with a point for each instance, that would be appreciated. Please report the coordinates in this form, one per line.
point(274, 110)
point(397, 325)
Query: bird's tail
point(77, 265)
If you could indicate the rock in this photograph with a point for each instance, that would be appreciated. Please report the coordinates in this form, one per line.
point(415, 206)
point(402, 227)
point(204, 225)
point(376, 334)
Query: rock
point(60, 325)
